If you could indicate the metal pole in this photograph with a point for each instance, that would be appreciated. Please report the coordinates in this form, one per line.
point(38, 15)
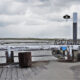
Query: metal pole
point(75, 28)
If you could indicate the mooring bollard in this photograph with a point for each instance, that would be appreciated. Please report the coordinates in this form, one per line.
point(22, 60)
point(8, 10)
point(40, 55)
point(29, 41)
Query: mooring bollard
point(75, 55)
point(6, 53)
point(25, 59)
point(9, 59)
point(12, 56)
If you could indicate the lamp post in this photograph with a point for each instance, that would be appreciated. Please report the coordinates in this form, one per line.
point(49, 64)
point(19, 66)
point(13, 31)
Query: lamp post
point(66, 17)
point(74, 26)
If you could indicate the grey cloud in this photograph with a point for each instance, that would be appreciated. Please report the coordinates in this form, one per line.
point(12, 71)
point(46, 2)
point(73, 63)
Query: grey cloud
point(35, 15)
point(6, 20)
point(22, 0)
point(5, 24)
point(2, 24)
point(61, 5)
point(14, 7)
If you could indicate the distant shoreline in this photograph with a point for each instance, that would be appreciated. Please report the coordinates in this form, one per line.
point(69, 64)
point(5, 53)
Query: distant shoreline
point(34, 39)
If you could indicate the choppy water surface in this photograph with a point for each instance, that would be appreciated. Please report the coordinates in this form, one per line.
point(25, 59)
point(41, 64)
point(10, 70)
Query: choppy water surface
point(38, 55)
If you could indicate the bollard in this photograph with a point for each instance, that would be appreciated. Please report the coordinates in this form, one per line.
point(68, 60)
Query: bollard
point(12, 57)
point(75, 53)
point(9, 59)
point(24, 59)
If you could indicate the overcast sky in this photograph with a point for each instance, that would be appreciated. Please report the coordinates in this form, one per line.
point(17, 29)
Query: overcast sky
point(37, 18)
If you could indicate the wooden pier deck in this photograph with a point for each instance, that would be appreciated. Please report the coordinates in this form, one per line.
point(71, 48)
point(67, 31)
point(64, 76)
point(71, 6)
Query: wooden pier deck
point(42, 71)
point(14, 72)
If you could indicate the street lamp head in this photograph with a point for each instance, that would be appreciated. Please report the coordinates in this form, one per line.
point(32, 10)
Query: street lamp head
point(66, 16)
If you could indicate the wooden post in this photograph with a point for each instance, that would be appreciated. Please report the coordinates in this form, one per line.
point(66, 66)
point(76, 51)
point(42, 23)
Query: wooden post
point(69, 57)
point(12, 57)
point(73, 59)
point(75, 53)
point(25, 59)
point(9, 59)
point(63, 53)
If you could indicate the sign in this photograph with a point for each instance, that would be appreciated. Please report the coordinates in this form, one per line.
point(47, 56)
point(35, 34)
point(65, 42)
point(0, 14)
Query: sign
point(63, 48)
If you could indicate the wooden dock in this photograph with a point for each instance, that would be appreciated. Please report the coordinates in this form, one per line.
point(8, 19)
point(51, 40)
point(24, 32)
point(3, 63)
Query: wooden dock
point(14, 72)
point(10, 73)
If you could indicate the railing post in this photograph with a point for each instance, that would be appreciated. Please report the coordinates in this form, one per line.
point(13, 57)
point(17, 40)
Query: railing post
point(9, 56)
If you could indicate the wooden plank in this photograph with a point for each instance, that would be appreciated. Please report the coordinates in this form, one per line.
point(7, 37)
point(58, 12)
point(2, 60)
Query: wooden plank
point(27, 73)
point(20, 74)
point(14, 74)
point(4, 74)
point(9, 74)
point(1, 70)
